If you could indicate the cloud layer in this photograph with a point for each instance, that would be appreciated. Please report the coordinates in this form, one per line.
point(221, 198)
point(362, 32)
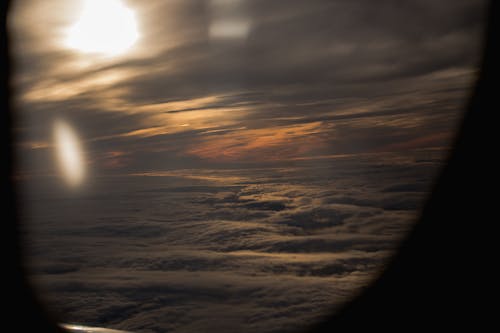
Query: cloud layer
point(270, 250)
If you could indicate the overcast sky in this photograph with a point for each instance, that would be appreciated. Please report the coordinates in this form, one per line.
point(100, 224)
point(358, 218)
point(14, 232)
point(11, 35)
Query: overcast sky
point(299, 80)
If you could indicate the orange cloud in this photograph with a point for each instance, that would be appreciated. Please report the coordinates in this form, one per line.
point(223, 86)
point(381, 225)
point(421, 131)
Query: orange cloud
point(115, 159)
point(273, 143)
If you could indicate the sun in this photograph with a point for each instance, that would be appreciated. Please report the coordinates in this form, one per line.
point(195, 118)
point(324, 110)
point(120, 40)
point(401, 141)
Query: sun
point(105, 27)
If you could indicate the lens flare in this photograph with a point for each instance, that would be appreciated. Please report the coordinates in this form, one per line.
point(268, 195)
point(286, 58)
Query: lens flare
point(69, 153)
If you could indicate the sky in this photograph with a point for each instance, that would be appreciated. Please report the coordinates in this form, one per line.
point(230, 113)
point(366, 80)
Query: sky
point(306, 80)
point(230, 154)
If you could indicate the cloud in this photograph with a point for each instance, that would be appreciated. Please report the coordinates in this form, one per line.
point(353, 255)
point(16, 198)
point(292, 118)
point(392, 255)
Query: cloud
point(267, 249)
point(364, 75)
point(254, 183)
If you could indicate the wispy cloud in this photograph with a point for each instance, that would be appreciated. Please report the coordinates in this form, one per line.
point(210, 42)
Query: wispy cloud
point(306, 64)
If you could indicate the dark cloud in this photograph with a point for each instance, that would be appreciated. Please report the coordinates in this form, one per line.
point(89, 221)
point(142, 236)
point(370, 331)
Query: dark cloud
point(332, 48)
point(260, 249)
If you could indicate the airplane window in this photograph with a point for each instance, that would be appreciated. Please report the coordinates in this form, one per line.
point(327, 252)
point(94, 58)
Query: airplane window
point(249, 166)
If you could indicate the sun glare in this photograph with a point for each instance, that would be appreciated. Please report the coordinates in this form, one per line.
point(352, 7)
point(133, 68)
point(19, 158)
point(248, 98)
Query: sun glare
point(69, 153)
point(105, 27)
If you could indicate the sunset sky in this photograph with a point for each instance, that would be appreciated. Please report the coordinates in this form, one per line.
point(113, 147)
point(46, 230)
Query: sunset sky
point(231, 158)
point(305, 79)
